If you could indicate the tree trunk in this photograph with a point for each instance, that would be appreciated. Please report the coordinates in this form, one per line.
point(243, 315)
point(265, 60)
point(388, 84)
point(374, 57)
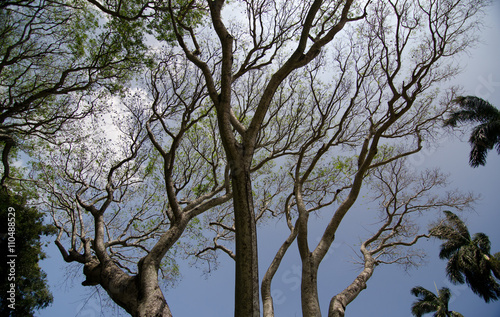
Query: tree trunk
point(309, 289)
point(309, 283)
point(139, 295)
point(151, 302)
point(340, 301)
point(267, 299)
point(247, 277)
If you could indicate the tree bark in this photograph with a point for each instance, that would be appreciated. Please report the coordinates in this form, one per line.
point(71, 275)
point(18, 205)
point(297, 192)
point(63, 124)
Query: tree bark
point(309, 282)
point(309, 289)
point(151, 302)
point(247, 276)
point(267, 299)
point(239, 156)
point(340, 301)
point(139, 295)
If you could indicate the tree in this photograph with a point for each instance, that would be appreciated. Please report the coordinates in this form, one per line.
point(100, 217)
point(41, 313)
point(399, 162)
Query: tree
point(55, 60)
point(317, 26)
point(428, 302)
point(122, 202)
point(235, 123)
point(21, 275)
point(469, 259)
point(403, 196)
point(486, 134)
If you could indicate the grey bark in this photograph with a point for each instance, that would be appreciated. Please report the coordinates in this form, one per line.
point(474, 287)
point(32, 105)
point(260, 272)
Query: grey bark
point(340, 301)
point(139, 295)
point(247, 278)
point(267, 299)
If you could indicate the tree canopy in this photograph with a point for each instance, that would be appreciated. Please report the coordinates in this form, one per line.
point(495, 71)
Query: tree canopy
point(56, 59)
point(241, 112)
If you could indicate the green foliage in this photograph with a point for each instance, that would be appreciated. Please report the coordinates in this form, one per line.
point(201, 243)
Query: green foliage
point(468, 257)
point(428, 302)
point(31, 290)
point(189, 14)
point(486, 134)
point(50, 49)
point(128, 186)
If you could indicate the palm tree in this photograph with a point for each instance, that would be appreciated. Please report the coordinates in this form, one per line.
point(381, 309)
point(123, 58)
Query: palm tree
point(469, 258)
point(486, 135)
point(428, 302)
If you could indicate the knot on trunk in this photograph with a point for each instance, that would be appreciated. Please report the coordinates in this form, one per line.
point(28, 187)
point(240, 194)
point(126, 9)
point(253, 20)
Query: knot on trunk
point(92, 271)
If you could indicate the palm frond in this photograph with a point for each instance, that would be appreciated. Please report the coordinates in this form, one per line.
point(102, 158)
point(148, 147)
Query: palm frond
point(444, 296)
point(427, 301)
point(449, 248)
point(454, 271)
point(484, 136)
point(421, 308)
point(457, 223)
point(452, 228)
point(473, 109)
point(482, 139)
point(482, 241)
point(495, 264)
point(458, 117)
point(485, 287)
point(422, 293)
point(477, 155)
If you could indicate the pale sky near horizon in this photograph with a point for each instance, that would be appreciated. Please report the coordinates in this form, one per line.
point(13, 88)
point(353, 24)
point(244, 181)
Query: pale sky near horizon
point(388, 291)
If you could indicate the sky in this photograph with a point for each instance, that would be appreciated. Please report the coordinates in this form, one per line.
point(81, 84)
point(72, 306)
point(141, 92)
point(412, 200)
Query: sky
point(388, 291)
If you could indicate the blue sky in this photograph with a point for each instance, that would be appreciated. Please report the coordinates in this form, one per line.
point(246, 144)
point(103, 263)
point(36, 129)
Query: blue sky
point(388, 291)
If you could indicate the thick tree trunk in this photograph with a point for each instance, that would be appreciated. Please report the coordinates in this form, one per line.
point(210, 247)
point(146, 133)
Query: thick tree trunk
point(247, 277)
point(239, 156)
point(340, 301)
point(139, 295)
point(151, 302)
